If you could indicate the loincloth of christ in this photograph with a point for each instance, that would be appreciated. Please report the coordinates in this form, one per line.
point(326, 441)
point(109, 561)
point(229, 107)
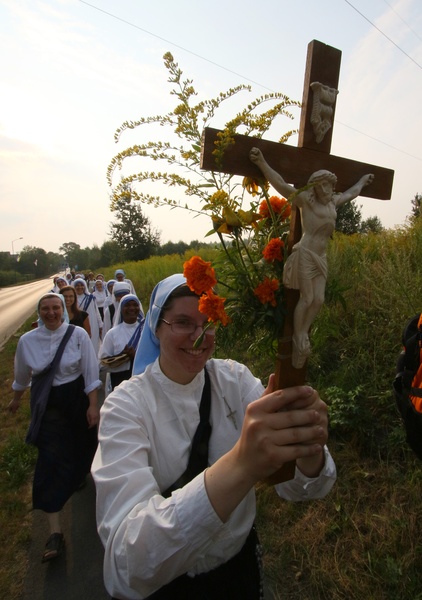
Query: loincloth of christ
point(303, 263)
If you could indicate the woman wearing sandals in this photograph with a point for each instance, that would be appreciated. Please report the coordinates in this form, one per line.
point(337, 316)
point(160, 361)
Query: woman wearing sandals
point(64, 411)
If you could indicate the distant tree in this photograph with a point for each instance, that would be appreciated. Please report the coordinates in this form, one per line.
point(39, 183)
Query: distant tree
point(7, 262)
point(196, 244)
point(132, 229)
point(371, 225)
point(55, 262)
point(111, 253)
point(173, 248)
point(349, 218)
point(416, 206)
point(70, 253)
point(94, 260)
point(82, 260)
point(34, 261)
point(79, 258)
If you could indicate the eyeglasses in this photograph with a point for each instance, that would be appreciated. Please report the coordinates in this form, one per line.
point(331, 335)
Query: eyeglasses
point(187, 327)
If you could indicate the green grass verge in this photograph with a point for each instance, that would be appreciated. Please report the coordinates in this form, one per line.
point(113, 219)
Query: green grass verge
point(16, 466)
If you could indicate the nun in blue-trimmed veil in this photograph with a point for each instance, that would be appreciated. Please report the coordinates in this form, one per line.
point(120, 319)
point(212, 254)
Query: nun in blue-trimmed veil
point(122, 340)
point(87, 302)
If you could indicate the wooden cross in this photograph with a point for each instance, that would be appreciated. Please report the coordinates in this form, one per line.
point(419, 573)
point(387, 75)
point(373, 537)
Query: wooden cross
point(296, 164)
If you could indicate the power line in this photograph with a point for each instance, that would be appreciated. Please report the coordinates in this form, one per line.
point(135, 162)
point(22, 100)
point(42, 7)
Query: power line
point(385, 35)
point(238, 74)
point(175, 45)
point(403, 21)
point(379, 141)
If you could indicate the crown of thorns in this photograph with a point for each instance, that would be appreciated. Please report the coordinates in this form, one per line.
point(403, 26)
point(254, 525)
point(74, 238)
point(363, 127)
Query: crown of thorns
point(323, 176)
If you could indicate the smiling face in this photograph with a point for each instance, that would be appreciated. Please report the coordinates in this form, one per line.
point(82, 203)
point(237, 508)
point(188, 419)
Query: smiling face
point(69, 296)
point(130, 311)
point(51, 312)
point(179, 361)
point(79, 288)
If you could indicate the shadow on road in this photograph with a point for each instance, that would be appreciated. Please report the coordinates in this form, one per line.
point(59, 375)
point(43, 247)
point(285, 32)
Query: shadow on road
point(78, 572)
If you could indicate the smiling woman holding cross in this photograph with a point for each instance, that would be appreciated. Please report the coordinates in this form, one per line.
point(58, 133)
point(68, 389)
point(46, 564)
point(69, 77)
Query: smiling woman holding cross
point(306, 267)
point(182, 445)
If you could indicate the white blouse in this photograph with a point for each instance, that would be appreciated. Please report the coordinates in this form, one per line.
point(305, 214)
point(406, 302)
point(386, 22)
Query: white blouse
point(146, 428)
point(100, 297)
point(37, 348)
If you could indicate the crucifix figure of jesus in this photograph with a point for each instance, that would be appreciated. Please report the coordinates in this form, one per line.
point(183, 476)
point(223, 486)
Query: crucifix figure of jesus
point(306, 267)
point(290, 169)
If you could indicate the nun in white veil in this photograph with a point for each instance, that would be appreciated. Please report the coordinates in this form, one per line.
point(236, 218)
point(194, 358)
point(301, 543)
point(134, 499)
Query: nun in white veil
point(87, 302)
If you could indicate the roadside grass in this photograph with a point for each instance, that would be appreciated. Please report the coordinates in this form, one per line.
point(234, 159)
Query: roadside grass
point(362, 541)
point(16, 464)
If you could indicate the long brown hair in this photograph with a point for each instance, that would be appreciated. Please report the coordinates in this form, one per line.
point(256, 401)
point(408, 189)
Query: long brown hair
point(74, 308)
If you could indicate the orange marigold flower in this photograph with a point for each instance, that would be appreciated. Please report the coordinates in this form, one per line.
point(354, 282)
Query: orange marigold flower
point(273, 250)
point(280, 207)
point(199, 274)
point(265, 291)
point(212, 305)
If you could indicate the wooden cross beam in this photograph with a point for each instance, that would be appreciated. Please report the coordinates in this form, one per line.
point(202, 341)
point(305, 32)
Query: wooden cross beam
point(296, 164)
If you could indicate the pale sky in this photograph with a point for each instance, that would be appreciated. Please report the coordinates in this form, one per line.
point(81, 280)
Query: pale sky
point(72, 74)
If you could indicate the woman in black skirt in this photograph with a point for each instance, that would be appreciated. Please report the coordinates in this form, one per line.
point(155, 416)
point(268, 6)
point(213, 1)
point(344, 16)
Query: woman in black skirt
point(64, 411)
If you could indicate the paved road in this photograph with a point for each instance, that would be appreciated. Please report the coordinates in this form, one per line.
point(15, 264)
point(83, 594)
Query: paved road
point(17, 303)
point(78, 573)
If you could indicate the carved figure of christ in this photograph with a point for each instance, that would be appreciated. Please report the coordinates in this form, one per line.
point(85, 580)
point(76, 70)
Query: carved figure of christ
point(291, 168)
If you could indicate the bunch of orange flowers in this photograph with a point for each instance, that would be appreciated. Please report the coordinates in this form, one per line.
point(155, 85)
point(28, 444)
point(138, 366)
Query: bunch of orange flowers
point(201, 279)
point(252, 270)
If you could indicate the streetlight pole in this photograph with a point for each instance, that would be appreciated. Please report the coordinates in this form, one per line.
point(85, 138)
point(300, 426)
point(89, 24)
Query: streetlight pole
point(13, 250)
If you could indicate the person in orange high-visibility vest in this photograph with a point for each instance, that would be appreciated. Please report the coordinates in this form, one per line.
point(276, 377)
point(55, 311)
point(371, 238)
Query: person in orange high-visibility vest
point(417, 380)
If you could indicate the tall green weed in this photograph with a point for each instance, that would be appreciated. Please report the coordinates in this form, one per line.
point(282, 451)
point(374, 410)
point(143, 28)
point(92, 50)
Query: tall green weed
point(356, 341)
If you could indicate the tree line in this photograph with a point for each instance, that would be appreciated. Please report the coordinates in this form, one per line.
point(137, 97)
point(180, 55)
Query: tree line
point(34, 262)
point(133, 238)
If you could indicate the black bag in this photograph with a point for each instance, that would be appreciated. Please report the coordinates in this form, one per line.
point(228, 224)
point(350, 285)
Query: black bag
point(407, 366)
point(40, 389)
